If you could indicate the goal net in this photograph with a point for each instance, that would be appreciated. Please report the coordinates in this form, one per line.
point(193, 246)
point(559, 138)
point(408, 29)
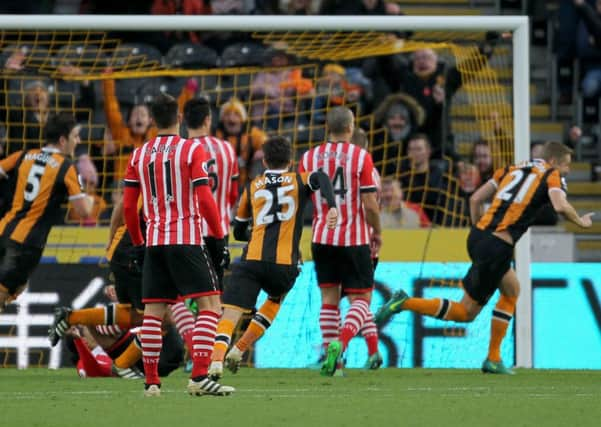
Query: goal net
point(283, 83)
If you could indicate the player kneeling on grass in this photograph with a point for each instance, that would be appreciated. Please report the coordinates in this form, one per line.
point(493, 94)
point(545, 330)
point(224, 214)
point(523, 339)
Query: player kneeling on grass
point(93, 353)
point(518, 192)
point(274, 202)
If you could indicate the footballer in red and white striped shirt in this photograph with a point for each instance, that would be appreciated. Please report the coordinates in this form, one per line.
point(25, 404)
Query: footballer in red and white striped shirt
point(171, 174)
point(222, 166)
point(167, 169)
point(222, 169)
point(351, 170)
point(342, 257)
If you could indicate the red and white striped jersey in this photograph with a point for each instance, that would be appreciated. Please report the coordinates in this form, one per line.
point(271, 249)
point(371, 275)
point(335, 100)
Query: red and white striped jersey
point(167, 168)
point(351, 170)
point(222, 168)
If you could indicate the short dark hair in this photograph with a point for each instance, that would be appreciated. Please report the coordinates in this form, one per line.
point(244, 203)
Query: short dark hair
point(423, 136)
point(58, 124)
point(196, 111)
point(277, 151)
point(164, 111)
point(555, 150)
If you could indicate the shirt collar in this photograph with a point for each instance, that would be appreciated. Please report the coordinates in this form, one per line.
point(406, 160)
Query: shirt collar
point(275, 171)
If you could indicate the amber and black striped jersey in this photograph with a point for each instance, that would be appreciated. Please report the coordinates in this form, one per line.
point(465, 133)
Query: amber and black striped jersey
point(43, 180)
point(121, 241)
point(521, 191)
point(275, 202)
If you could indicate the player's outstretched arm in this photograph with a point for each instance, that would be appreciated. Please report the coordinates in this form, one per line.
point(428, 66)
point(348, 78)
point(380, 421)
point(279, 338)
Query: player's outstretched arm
point(482, 195)
point(564, 208)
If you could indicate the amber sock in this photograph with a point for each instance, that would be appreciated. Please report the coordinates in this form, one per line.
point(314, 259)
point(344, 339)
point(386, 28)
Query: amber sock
point(112, 314)
point(130, 355)
point(262, 320)
point(439, 308)
point(501, 316)
point(225, 329)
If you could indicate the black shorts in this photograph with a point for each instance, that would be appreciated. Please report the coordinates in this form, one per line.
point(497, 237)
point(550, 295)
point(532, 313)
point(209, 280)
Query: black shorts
point(173, 272)
point(349, 266)
point(17, 263)
point(213, 255)
point(249, 277)
point(491, 259)
point(128, 284)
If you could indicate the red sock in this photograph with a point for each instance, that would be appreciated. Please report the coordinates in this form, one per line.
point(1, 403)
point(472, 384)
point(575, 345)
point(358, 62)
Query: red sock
point(370, 333)
point(204, 338)
point(152, 342)
point(184, 322)
point(92, 366)
point(355, 318)
point(329, 323)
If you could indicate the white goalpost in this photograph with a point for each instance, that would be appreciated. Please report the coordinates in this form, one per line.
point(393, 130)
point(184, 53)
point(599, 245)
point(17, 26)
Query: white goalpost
point(518, 25)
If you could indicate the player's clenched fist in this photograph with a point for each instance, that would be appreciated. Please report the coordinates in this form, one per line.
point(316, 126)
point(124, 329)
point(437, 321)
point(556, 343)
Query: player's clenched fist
point(332, 218)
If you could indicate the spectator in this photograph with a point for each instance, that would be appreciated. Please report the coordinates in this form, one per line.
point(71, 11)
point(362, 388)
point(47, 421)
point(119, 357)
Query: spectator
point(334, 89)
point(125, 135)
point(400, 115)
point(573, 137)
point(433, 85)
point(422, 182)
point(246, 139)
point(25, 123)
point(395, 212)
point(181, 7)
point(481, 157)
point(273, 92)
point(588, 44)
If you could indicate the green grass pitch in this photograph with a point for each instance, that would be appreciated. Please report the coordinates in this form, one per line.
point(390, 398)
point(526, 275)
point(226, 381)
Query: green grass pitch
point(389, 397)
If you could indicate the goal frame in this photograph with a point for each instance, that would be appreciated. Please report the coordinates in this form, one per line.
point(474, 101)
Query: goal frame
point(519, 25)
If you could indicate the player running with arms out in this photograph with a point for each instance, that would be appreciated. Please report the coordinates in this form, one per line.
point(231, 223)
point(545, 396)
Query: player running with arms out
point(274, 202)
point(42, 179)
point(171, 174)
point(351, 243)
point(517, 192)
point(222, 168)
